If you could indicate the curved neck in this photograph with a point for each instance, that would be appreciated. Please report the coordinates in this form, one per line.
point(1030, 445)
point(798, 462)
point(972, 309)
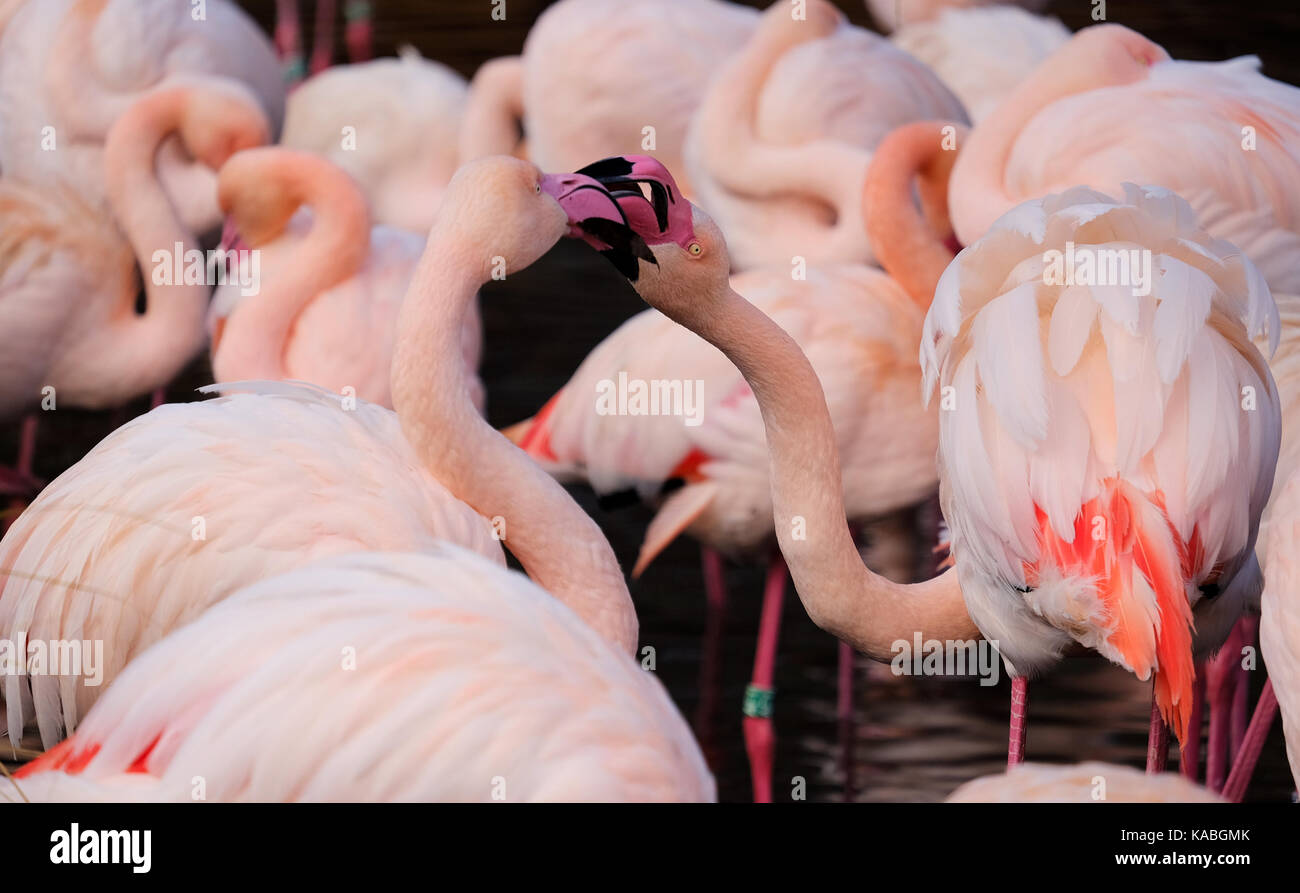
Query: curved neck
point(911, 247)
point(559, 546)
point(723, 132)
point(494, 109)
point(1101, 56)
point(171, 330)
point(334, 248)
point(839, 592)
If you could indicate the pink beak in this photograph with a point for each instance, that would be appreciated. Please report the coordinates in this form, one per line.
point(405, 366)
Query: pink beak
point(583, 199)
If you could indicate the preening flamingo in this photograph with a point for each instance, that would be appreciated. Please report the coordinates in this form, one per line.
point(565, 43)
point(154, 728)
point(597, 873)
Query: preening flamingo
point(1131, 437)
point(392, 124)
point(69, 280)
point(983, 52)
point(779, 147)
point(890, 15)
point(70, 68)
point(580, 101)
point(447, 678)
point(708, 471)
point(1221, 135)
point(1090, 782)
point(182, 506)
point(331, 285)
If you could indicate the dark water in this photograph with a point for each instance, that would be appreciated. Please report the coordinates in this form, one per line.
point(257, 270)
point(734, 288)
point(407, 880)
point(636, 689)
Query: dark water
point(915, 738)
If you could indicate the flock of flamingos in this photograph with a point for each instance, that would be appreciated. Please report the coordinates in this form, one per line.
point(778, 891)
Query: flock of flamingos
point(300, 584)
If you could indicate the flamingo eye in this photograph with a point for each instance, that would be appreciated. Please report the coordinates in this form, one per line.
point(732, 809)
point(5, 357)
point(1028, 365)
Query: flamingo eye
point(695, 248)
point(537, 188)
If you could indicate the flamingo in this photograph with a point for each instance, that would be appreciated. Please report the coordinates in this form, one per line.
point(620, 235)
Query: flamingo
point(1055, 425)
point(333, 285)
point(580, 101)
point(69, 281)
point(780, 144)
point(710, 476)
point(70, 68)
point(1221, 135)
point(982, 52)
point(1090, 782)
point(448, 678)
point(403, 114)
point(184, 505)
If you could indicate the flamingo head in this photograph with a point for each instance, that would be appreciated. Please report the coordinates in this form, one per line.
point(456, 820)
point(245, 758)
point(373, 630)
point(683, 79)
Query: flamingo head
point(686, 248)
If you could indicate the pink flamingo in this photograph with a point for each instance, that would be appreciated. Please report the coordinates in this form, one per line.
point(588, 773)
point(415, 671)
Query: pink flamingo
point(1092, 425)
point(448, 678)
point(404, 117)
point(580, 101)
point(186, 504)
point(779, 147)
point(333, 289)
point(70, 68)
point(1221, 135)
point(982, 52)
point(70, 322)
point(709, 473)
point(1090, 782)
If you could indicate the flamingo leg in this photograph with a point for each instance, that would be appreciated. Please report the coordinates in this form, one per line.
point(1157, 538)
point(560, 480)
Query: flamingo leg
point(23, 479)
point(360, 31)
point(322, 47)
point(1219, 678)
point(1251, 745)
point(157, 398)
point(1240, 716)
point(1019, 704)
point(715, 591)
point(760, 738)
point(288, 40)
point(1157, 738)
point(1189, 758)
point(844, 711)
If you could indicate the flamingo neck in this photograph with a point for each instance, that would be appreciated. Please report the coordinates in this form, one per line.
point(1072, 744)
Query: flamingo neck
point(825, 172)
point(914, 249)
point(258, 331)
point(839, 592)
point(979, 193)
point(494, 109)
point(171, 329)
point(559, 546)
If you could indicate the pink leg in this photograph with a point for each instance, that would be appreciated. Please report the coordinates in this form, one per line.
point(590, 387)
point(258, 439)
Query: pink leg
point(23, 469)
point(1157, 739)
point(1251, 745)
point(360, 32)
point(715, 591)
point(322, 48)
point(1240, 716)
point(1189, 758)
point(760, 739)
point(157, 398)
point(1019, 704)
point(844, 710)
point(288, 40)
point(1218, 682)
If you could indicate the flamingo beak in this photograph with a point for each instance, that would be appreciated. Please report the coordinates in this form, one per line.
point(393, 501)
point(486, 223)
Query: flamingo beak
point(648, 196)
point(598, 218)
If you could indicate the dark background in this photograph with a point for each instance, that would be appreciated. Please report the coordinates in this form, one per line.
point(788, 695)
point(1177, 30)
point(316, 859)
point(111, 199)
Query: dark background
point(917, 739)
